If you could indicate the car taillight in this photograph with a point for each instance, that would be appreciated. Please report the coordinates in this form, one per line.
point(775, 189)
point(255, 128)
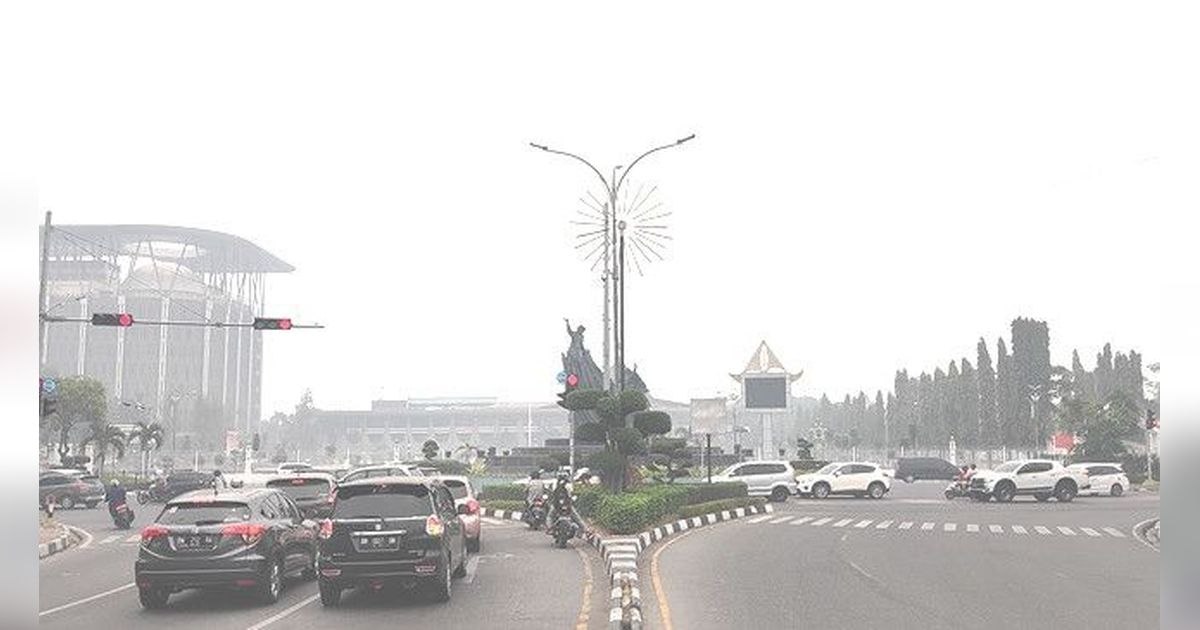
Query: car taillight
point(250, 533)
point(472, 506)
point(434, 526)
point(326, 530)
point(150, 532)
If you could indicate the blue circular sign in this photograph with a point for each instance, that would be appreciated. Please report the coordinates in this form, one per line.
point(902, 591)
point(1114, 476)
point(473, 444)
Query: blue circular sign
point(562, 377)
point(49, 385)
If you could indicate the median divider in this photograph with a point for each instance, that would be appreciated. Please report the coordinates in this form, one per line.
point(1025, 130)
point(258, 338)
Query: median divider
point(510, 515)
point(57, 544)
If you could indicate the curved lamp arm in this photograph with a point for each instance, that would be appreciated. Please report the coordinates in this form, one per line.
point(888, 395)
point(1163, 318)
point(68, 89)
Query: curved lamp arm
point(639, 159)
point(572, 155)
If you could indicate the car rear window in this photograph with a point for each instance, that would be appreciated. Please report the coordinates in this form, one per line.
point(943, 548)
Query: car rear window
point(458, 489)
point(382, 500)
point(301, 488)
point(208, 512)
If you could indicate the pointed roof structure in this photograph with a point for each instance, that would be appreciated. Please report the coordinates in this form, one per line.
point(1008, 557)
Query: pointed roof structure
point(764, 361)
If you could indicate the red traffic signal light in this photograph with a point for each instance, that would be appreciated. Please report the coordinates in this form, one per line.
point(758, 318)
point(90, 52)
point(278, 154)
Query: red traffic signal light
point(272, 323)
point(572, 380)
point(124, 320)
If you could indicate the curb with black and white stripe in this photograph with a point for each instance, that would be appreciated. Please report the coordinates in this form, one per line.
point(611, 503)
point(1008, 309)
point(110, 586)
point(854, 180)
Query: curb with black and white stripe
point(511, 515)
point(620, 557)
point(55, 546)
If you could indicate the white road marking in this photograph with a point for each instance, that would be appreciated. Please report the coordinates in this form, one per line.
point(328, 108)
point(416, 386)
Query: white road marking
point(972, 528)
point(883, 525)
point(1116, 533)
point(863, 524)
point(996, 529)
point(1019, 529)
point(950, 527)
point(759, 519)
point(86, 600)
point(1089, 531)
point(490, 521)
point(844, 522)
point(285, 612)
point(1067, 531)
point(926, 526)
point(781, 520)
point(1041, 530)
point(863, 572)
point(109, 539)
point(83, 533)
point(802, 520)
point(134, 538)
point(821, 521)
point(472, 566)
point(906, 525)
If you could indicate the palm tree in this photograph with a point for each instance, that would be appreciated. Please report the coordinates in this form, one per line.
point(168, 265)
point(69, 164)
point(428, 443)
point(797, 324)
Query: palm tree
point(150, 437)
point(104, 437)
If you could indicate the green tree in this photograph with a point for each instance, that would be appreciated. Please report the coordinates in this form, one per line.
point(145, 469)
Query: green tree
point(985, 379)
point(149, 437)
point(81, 400)
point(430, 449)
point(652, 423)
point(671, 456)
point(803, 448)
point(591, 433)
point(1008, 400)
point(104, 438)
point(1107, 429)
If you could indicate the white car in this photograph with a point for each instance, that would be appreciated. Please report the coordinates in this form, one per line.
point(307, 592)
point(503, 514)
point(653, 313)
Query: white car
point(382, 470)
point(773, 479)
point(861, 479)
point(1041, 478)
point(1105, 478)
point(287, 468)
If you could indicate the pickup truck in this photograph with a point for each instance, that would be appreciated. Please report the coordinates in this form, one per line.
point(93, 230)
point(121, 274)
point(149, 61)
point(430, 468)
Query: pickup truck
point(1039, 478)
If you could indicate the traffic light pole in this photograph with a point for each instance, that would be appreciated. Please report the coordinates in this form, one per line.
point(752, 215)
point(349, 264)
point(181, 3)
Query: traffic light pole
point(42, 292)
point(151, 322)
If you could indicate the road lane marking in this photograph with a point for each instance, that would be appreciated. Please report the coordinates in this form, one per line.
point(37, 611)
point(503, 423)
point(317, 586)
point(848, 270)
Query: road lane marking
point(490, 521)
point(1116, 533)
point(781, 520)
point(950, 527)
point(664, 609)
point(759, 519)
point(1067, 531)
point(84, 534)
point(844, 522)
point(802, 520)
point(883, 525)
point(134, 538)
point(1089, 531)
point(926, 526)
point(821, 521)
point(86, 600)
point(1042, 530)
point(996, 529)
point(972, 528)
point(285, 612)
point(472, 566)
point(862, 571)
point(109, 539)
point(1019, 529)
point(906, 525)
point(585, 610)
point(863, 524)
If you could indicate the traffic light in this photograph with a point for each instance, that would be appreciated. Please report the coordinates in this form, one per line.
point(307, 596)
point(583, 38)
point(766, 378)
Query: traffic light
point(124, 320)
point(1151, 419)
point(569, 385)
point(272, 323)
point(48, 404)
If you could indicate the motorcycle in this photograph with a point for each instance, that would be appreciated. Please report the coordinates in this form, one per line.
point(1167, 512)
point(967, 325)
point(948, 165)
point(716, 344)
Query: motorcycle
point(563, 529)
point(535, 516)
point(957, 490)
point(152, 493)
point(122, 515)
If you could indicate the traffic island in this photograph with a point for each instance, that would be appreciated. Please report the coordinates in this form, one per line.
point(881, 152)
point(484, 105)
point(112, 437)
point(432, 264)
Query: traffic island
point(53, 537)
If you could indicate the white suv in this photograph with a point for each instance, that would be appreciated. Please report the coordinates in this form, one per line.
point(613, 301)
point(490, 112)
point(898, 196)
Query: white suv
point(1041, 478)
point(1105, 478)
point(854, 478)
point(774, 479)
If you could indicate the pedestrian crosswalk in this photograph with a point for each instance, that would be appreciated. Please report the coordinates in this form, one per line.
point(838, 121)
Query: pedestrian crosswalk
point(944, 527)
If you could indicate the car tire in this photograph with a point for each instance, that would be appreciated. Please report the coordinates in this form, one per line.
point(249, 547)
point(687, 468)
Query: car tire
point(272, 583)
point(1116, 490)
point(949, 495)
point(779, 495)
point(1004, 492)
point(1042, 497)
point(331, 595)
point(91, 505)
point(310, 572)
point(153, 598)
point(1064, 493)
point(67, 502)
point(440, 588)
point(475, 544)
point(820, 491)
point(876, 490)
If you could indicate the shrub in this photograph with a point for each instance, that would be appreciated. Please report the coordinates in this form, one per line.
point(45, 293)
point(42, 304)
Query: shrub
point(633, 400)
point(445, 466)
point(583, 399)
point(607, 463)
point(707, 492)
point(503, 492)
point(808, 465)
point(587, 498)
point(700, 509)
point(630, 513)
point(652, 422)
point(627, 440)
point(590, 432)
point(511, 506)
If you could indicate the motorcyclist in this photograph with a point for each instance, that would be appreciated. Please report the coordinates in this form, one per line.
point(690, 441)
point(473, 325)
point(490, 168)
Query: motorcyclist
point(114, 495)
point(563, 504)
point(536, 488)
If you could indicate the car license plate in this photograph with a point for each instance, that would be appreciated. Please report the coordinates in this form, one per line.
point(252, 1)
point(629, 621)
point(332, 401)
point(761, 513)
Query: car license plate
point(193, 541)
point(376, 542)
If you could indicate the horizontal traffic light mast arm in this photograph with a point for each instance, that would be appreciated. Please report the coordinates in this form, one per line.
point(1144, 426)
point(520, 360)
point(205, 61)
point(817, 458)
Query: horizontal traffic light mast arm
point(147, 322)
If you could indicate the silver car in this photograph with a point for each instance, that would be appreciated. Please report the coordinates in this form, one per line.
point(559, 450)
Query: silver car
point(774, 479)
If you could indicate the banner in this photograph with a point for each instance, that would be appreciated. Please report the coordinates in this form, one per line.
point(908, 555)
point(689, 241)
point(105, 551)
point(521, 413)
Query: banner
point(708, 415)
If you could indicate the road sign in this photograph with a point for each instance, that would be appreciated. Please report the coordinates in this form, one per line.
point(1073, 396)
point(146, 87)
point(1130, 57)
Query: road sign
point(561, 378)
point(49, 385)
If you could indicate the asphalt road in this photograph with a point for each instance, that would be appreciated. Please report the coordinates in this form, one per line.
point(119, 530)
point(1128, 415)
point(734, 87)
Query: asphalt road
point(911, 560)
point(518, 580)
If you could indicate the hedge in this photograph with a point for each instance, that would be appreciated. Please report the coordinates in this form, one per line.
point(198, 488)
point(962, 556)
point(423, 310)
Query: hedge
point(633, 512)
point(503, 492)
point(808, 465)
point(701, 509)
point(705, 492)
point(587, 498)
point(498, 504)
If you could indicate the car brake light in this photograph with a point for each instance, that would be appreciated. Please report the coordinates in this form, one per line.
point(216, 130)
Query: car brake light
point(472, 506)
point(434, 526)
point(150, 532)
point(249, 532)
point(326, 531)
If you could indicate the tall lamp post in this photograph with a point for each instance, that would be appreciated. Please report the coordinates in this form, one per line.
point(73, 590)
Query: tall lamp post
point(612, 188)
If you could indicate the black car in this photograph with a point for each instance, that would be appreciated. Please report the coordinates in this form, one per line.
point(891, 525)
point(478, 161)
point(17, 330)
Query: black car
point(312, 492)
point(70, 490)
point(391, 531)
point(911, 469)
point(244, 539)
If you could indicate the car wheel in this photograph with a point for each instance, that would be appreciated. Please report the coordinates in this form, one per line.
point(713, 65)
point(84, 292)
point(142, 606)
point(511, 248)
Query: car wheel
point(475, 544)
point(779, 495)
point(820, 491)
point(331, 595)
point(1116, 490)
point(272, 583)
point(91, 505)
point(875, 490)
point(310, 572)
point(152, 598)
point(441, 584)
point(949, 495)
point(1042, 498)
point(1004, 493)
point(66, 503)
point(1065, 492)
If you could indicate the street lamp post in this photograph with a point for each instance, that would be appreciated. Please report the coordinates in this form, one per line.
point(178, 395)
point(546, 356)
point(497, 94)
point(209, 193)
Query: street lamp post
point(612, 188)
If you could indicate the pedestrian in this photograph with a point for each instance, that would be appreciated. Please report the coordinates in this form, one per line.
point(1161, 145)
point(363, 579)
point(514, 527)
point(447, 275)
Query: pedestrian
point(48, 506)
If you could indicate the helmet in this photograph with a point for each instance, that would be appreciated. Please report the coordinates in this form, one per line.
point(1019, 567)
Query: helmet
point(537, 474)
point(116, 482)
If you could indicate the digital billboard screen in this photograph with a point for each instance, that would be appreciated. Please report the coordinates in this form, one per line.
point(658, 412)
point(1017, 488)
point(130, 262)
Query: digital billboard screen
point(766, 392)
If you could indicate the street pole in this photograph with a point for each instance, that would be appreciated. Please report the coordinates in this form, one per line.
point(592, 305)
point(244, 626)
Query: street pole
point(42, 301)
point(620, 328)
point(608, 213)
point(571, 444)
point(708, 454)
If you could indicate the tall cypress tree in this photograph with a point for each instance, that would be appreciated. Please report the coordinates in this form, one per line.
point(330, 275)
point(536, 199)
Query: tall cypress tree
point(985, 377)
point(1104, 373)
point(1031, 363)
point(1007, 401)
point(878, 417)
point(968, 405)
point(951, 403)
point(926, 421)
point(894, 432)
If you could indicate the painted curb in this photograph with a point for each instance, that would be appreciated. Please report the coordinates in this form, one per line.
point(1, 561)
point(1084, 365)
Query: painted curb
point(57, 545)
point(507, 515)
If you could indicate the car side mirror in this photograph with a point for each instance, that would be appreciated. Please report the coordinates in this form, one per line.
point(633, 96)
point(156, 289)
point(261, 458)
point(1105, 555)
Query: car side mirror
point(237, 483)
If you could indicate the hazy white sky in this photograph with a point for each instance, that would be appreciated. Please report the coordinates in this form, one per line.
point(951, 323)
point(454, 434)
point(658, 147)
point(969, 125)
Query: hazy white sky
point(871, 187)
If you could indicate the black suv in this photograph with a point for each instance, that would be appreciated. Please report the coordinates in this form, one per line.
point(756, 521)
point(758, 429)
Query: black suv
point(911, 469)
point(249, 539)
point(70, 490)
point(391, 530)
point(312, 492)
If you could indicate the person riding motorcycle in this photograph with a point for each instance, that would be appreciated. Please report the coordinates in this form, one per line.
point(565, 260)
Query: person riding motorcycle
point(114, 495)
point(562, 504)
point(536, 488)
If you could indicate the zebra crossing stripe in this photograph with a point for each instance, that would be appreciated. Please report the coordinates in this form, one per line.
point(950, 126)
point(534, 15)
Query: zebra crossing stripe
point(1019, 529)
point(862, 524)
point(821, 521)
point(844, 522)
point(906, 525)
point(950, 527)
point(926, 526)
point(134, 538)
point(759, 519)
point(995, 529)
point(972, 528)
point(781, 520)
point(1067, 531)
point(802, 520)
point(112, 538)
point(1089, 531)
point(1041, 530)
point(883, 525)
point(1116, 533)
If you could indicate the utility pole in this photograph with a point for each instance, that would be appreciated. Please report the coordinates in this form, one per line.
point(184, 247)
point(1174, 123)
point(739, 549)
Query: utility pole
point(42, 301)
point(708, 454)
